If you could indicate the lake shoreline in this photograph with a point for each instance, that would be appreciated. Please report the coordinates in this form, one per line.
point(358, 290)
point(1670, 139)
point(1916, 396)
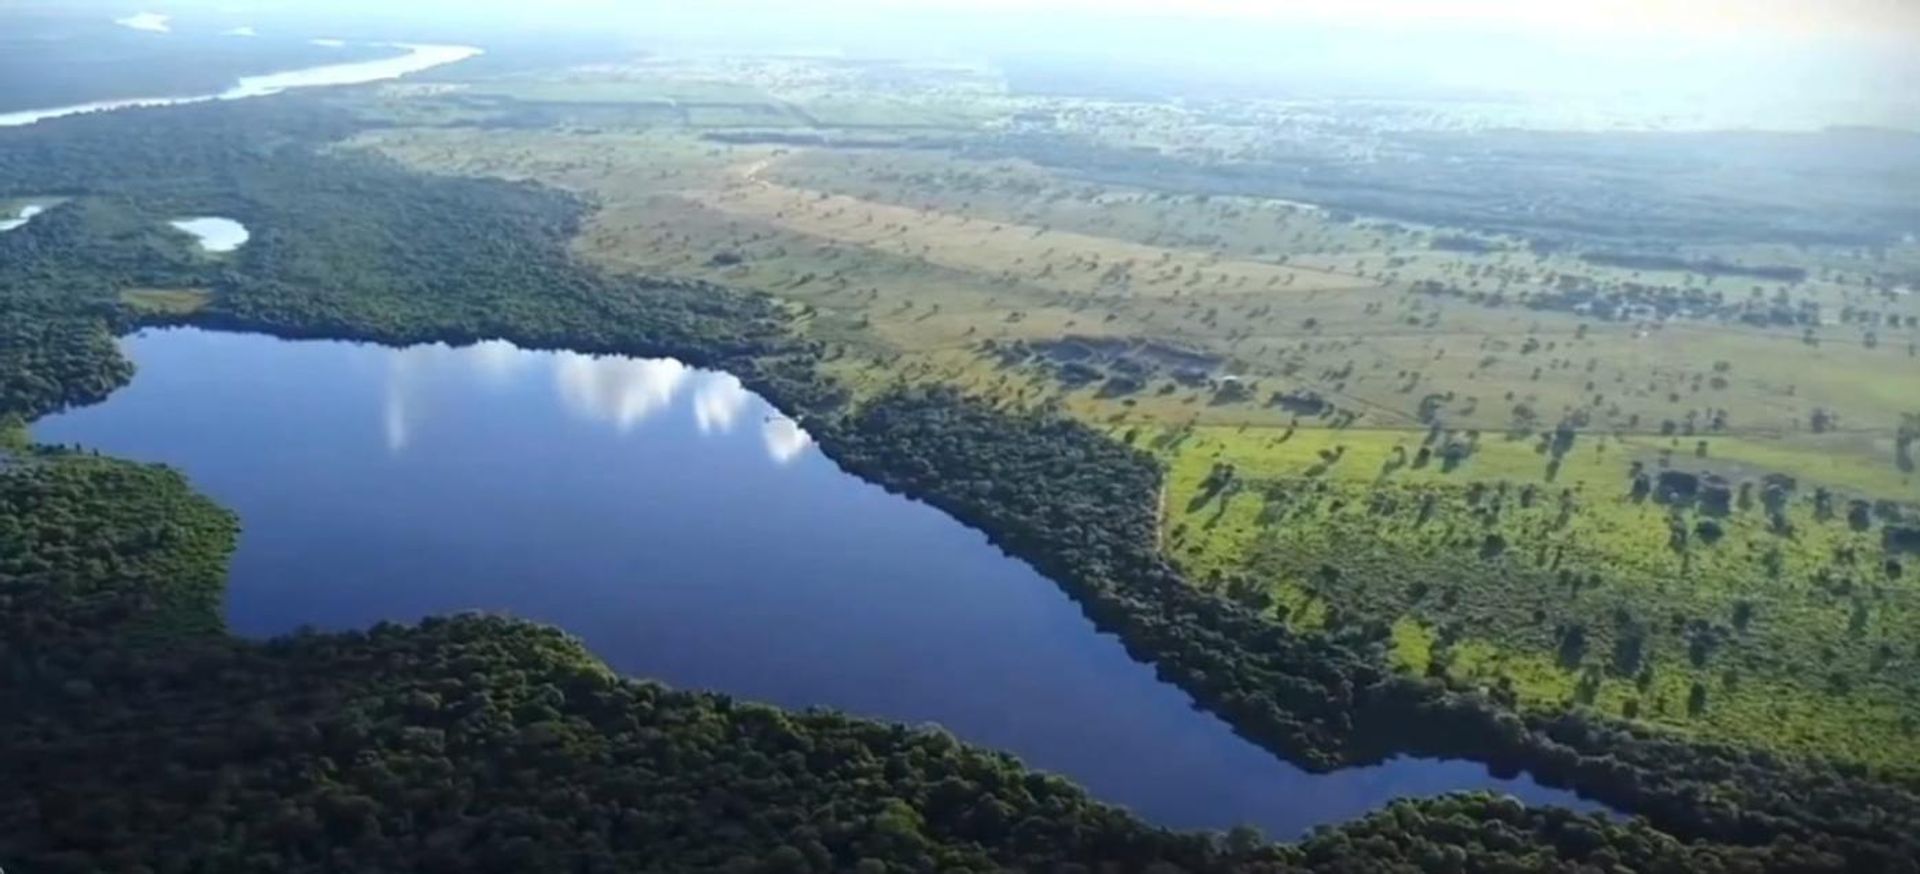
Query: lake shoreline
point(1346, 793)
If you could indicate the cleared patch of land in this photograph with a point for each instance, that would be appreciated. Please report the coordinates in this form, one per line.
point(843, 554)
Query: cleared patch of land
point(165, 301)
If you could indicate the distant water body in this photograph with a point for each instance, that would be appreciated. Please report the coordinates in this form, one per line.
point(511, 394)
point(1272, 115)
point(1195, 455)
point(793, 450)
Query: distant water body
point(419, 57)
point(25, 215)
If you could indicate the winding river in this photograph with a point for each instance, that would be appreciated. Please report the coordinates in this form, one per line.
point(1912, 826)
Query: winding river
point(20, 219)
point(416, 58)
point(686, 531)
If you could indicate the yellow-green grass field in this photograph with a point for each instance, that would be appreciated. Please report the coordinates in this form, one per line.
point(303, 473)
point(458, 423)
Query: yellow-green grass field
point(1803, 639)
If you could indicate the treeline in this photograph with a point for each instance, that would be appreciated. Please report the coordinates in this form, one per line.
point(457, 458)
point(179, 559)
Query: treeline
point(1706, 267)
point(1080, 507)
point(833, 140)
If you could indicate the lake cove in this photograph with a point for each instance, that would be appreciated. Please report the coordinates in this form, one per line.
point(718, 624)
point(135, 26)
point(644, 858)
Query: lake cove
point(689, 532)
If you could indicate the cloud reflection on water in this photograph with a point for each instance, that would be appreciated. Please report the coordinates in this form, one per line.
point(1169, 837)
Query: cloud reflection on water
point(718, 402)
point(784, 438)
point(610, 390)
point(622, 392)
point(402, 385)
point(497, 361)
point(395, 421)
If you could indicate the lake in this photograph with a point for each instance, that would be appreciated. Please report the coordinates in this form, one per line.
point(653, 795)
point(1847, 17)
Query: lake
point(687, 532)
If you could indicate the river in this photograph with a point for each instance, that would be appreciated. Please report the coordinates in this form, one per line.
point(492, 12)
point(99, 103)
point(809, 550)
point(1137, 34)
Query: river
point(687, 532)
point(417, 57)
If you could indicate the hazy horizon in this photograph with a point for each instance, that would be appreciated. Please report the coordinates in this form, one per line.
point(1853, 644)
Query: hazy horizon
point(1843, 63)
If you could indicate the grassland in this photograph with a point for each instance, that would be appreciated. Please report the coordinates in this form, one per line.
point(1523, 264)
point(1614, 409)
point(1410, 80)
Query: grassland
point(1428, 431)
point(1574, 590)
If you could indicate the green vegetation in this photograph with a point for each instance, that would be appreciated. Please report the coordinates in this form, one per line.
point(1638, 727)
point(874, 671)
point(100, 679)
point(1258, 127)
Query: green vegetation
point(1081, 508)
point(101, 553)
point(57, 340)
point(1747, 607)
point(478, 744)
point(162, 302)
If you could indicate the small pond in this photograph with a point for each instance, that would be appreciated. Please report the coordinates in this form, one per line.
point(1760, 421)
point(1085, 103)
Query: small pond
point(215, 234)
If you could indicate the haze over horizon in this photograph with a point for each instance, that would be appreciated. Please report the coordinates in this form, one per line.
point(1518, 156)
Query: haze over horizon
point(1845, 53)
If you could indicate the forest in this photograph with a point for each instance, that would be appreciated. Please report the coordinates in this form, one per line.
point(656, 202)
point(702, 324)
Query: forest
point(485, 744)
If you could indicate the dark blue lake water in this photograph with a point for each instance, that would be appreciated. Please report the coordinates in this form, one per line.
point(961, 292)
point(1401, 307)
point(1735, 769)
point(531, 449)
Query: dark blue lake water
point(687, 532)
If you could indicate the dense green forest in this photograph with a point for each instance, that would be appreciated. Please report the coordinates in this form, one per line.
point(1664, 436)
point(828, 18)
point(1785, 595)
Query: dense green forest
point(478, 744)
